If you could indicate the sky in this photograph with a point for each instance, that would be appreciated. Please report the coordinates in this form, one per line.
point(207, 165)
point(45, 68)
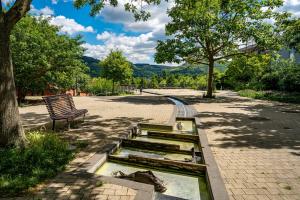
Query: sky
point(114, 28)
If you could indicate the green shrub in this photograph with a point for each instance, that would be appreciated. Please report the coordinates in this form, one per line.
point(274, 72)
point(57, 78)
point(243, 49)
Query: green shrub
point(101, 86)
point(248, 93)
point(104, 87)
point(286, 97)
point(44, 156)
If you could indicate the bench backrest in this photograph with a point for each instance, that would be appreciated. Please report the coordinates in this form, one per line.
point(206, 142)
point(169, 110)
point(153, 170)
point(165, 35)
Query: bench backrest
point(59, 105)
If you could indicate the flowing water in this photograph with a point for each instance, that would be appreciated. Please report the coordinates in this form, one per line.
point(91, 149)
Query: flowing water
point(183, 145)
point(187, 187)
point(178, 184)
point(124, 152)
point(187, 126)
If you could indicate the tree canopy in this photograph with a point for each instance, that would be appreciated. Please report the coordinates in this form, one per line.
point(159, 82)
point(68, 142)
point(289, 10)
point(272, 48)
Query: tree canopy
point(116, 67)
point(11, 131)
point(44, 57)
point(291, 33)
point(207, 31)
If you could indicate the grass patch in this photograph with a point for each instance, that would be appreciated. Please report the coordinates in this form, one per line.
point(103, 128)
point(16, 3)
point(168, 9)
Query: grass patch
point(99, 183)
point(81, 144)
point(271, 95)
point(20, 169)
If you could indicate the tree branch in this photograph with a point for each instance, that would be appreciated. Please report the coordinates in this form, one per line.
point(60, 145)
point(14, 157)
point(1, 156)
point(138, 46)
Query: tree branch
point(200, 42)
point(194, 60)
point(16, 12)
point(229, 55)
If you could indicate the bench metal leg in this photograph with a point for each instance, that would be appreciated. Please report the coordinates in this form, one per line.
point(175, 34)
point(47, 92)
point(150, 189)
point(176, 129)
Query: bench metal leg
point(53, 125)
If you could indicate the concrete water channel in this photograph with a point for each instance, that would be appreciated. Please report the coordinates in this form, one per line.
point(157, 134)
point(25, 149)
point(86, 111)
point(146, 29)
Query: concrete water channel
point(173, 153)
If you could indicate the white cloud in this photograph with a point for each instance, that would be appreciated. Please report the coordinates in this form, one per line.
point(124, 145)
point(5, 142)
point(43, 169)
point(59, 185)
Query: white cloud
point(67, 25)
point(136, 48)
point(46, 11)
point(292, 6)
point(157, 20)
point(54, 1)
point(103, 36)
point(70, 26)
point(140, 48)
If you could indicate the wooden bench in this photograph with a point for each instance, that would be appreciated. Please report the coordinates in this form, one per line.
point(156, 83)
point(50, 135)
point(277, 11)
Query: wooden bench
point(62, 107)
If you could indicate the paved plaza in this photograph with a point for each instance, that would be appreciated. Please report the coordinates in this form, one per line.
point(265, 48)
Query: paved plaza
point(255, 143)
point(108, 119)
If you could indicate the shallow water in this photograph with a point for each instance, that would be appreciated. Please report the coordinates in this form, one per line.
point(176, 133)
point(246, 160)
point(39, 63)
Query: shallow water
point(187, 187)
point(187, 126)
point(183, 145)
point(124, 152)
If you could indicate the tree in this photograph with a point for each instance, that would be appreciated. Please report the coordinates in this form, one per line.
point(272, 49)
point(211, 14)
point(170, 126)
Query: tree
point(11, 131)
point(291, 33)
point(154, 81)
point(44, 57)
point(245, 70)
point(116, 68)
point(208, 31)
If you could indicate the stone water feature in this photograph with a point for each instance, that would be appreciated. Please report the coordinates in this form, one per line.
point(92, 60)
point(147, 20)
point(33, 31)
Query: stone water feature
point(173, 156)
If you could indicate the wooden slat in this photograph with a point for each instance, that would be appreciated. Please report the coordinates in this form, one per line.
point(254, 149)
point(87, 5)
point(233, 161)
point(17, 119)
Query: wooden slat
point(62, 107)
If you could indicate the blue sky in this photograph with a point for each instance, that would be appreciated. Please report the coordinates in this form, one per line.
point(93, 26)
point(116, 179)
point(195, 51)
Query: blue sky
point(112, 28)
point(115, 28)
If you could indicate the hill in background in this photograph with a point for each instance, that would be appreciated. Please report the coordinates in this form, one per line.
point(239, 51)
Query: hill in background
point(148, 70)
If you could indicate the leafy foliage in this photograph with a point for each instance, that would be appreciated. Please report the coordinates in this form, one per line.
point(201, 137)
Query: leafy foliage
point(263, 72)
point(135, 6)
point(105, 87)
point(207, 31)
point(43, 158)
point(116, 68)
point(245, 71)
point(272, 95)
point(100, 86)
point(282, 75)
point(291, 33)
point(45, 58)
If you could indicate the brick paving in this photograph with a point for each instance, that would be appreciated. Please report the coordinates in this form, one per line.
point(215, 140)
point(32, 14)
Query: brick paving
point(255, 143)
point(107, 120)
point(71, 187)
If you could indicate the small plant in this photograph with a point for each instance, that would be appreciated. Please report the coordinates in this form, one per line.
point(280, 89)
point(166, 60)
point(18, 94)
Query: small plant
point(81, 144)
point(99, 183)
point(44, 156)
point(286, 97)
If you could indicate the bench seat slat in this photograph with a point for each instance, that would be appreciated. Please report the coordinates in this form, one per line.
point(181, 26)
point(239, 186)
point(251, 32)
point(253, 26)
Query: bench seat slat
point(62, 107)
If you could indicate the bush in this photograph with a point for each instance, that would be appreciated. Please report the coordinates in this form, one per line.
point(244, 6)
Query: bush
point(283, 75)
point(101, 86)
point(43, 158)
point(248, 93)
point(271, 95)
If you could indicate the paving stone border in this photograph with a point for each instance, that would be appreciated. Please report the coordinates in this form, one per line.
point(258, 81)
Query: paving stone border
point(213, 175)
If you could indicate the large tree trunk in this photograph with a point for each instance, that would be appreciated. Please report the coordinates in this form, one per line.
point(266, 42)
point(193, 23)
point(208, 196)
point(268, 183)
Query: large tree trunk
point(11, 131)
point(209, 93)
